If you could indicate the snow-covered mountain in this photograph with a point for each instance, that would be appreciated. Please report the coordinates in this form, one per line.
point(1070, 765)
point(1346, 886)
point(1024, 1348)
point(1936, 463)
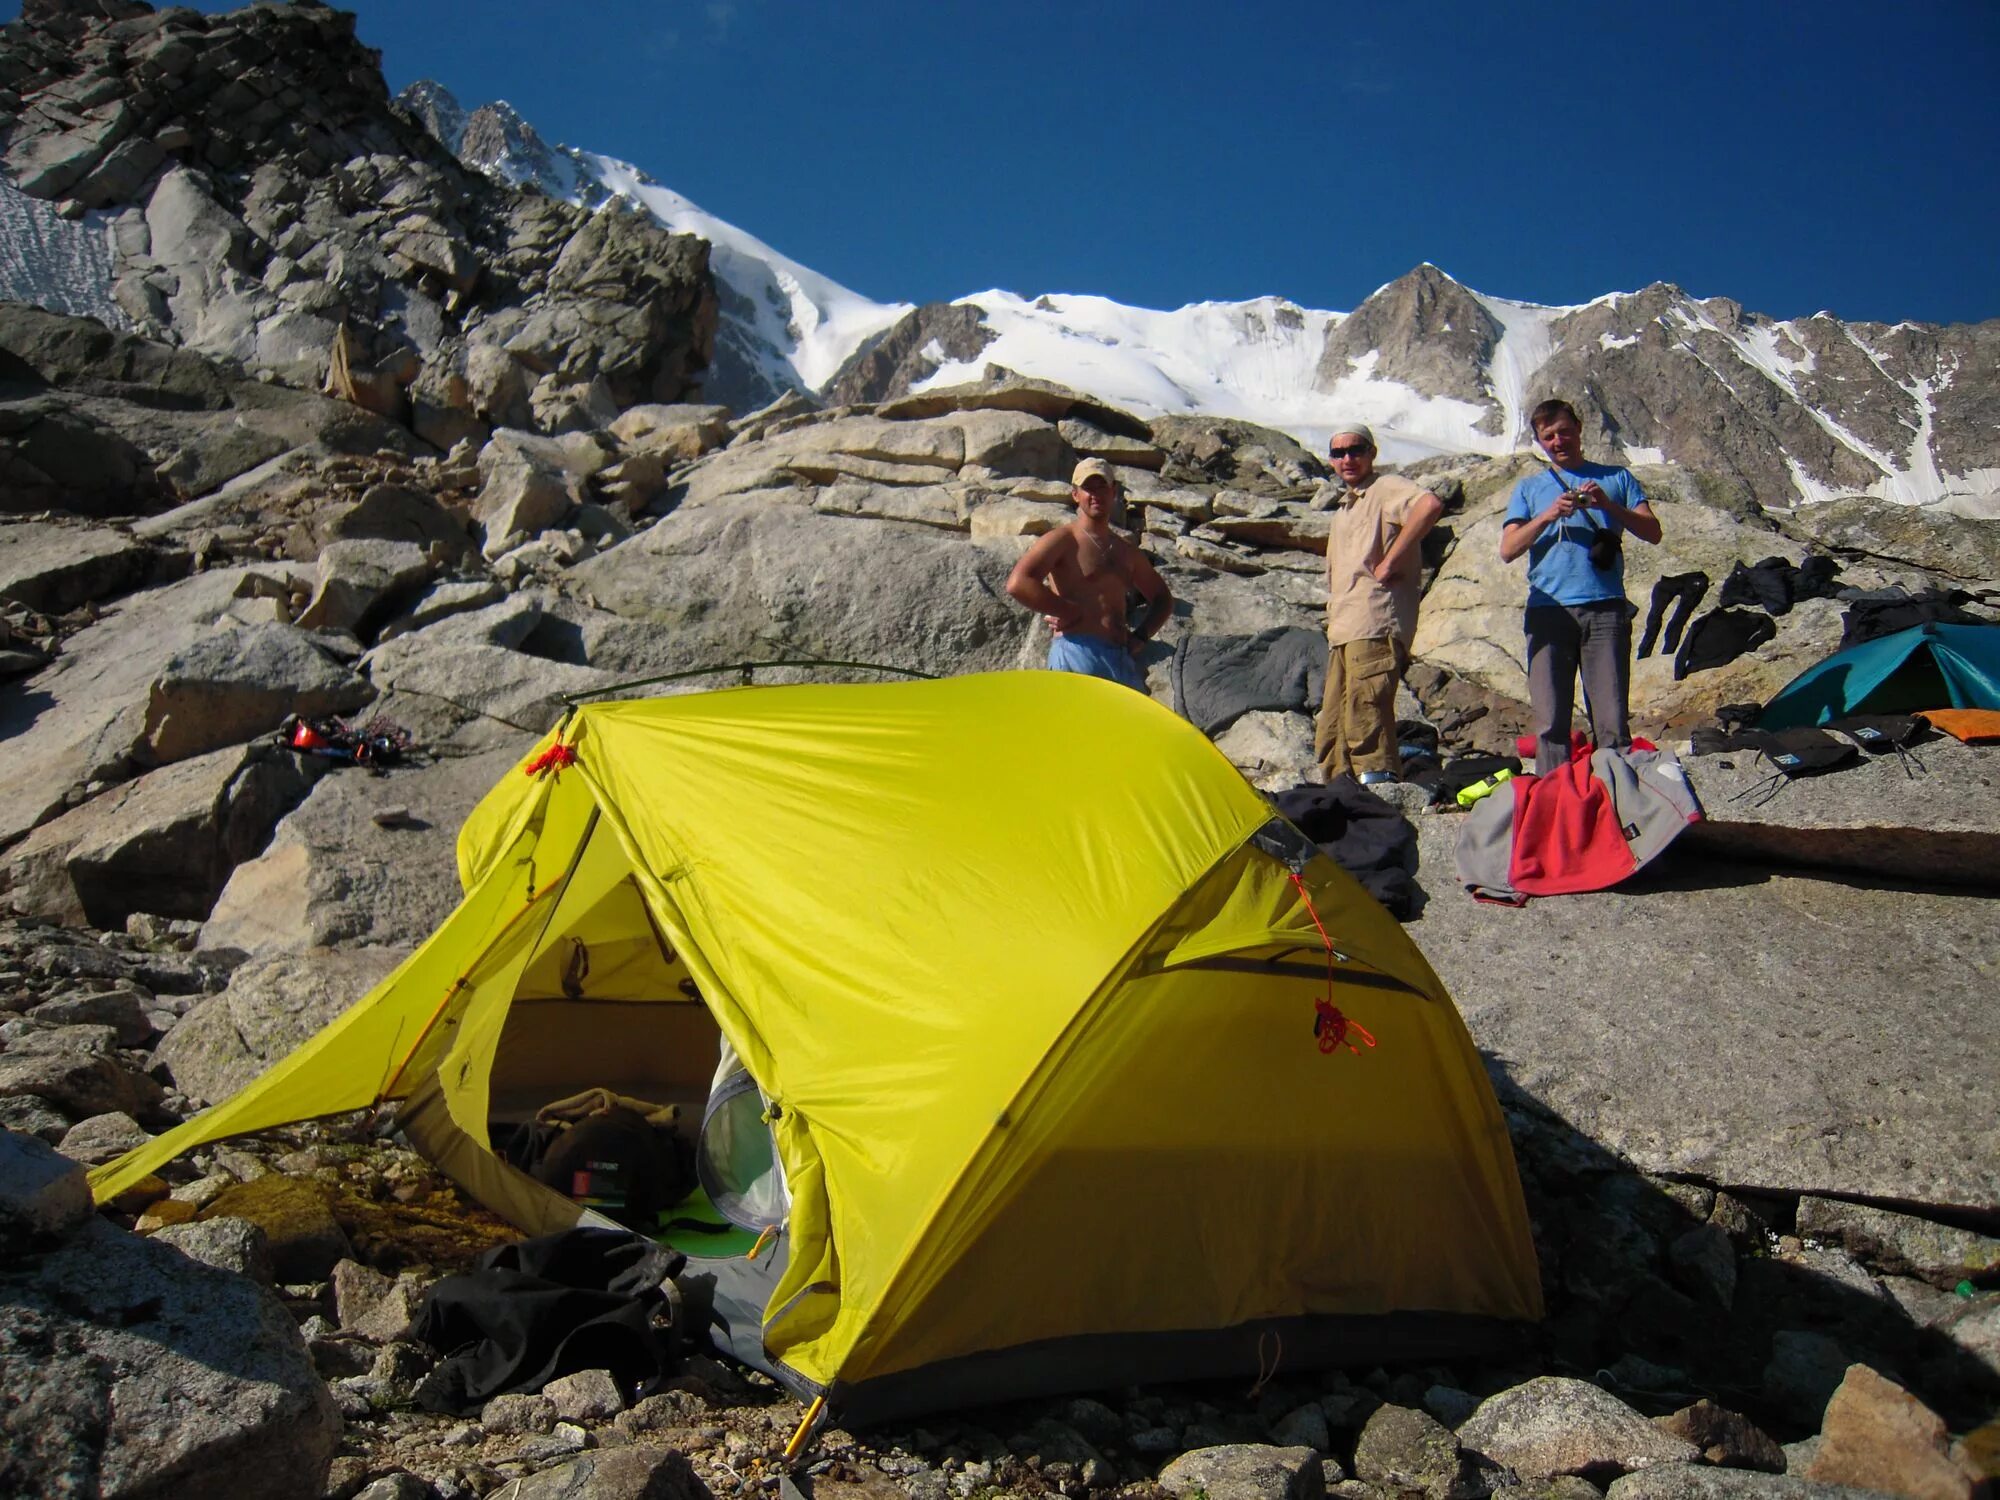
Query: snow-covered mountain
point(788, 327)
point(1778, 411)
point(784, 326)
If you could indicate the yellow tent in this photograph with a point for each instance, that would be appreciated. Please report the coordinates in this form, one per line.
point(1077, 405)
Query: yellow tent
point(1068, 1085)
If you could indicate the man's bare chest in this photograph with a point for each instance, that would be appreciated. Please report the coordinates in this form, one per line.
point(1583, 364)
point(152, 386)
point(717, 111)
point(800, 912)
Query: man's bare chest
point(1100, 562)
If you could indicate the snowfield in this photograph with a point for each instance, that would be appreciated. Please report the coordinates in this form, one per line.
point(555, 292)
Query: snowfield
point(792, 328)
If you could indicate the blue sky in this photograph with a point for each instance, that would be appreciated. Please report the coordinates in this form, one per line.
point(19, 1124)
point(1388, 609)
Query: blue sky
point(1793, 156)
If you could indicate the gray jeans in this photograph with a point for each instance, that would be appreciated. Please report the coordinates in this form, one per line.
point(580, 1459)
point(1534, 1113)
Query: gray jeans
point(1561, 637)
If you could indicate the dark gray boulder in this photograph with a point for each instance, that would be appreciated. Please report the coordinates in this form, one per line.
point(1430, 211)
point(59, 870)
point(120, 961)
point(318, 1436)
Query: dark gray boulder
point(138, 1371)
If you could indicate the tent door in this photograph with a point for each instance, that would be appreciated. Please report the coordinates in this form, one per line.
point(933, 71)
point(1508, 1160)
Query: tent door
point(736, 1160)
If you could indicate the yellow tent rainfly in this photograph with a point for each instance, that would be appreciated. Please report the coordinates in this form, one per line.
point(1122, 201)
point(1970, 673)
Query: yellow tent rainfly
point(1073, 1065)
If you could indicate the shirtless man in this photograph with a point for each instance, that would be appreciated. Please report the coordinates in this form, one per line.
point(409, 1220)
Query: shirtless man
point(1078, 576)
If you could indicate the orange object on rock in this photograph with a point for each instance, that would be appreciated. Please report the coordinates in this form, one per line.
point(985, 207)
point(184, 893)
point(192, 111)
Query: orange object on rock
point(1975, 726)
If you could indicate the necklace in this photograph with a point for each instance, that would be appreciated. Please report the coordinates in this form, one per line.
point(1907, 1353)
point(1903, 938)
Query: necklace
point(1105, 550)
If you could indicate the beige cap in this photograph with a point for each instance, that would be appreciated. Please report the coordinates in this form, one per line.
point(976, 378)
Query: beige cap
point(1100, 467)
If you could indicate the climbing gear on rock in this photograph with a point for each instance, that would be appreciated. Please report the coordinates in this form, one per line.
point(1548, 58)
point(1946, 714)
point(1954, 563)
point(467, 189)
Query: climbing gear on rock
point(377, 744)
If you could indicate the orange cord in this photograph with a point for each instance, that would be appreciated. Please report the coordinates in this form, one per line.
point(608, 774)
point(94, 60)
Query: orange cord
point(553, 759)
point(1329, 1025)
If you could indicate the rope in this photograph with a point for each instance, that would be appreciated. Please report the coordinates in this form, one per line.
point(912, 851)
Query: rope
point(1265, 1373)
point(597, 1101)
point(553, 759)
point(1329, 1025)
point(572, 699)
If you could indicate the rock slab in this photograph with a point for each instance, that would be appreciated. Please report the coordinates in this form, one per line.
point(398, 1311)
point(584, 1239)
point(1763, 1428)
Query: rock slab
point(1554, 1425)
point(1875, 816)
point(1731, 1013)
point(141, 1372)
point(1245, 1471)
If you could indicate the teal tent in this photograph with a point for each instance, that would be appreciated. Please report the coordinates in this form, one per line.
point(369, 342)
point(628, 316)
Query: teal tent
point(1926, 666)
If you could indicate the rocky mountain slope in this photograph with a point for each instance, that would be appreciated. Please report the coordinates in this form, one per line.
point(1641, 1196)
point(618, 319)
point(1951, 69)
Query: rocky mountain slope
point(263, 203)
point(1758, 1144)
point(1776, 411)
point(427, 266)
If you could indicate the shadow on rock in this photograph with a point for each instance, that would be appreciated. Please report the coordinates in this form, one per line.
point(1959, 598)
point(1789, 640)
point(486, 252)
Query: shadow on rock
point(1670, 1291)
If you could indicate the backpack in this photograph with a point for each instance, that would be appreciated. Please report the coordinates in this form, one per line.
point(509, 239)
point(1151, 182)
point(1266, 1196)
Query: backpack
point(619, 1163)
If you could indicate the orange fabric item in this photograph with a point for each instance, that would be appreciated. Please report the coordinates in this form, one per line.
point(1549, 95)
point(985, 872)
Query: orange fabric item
point(1976, 726)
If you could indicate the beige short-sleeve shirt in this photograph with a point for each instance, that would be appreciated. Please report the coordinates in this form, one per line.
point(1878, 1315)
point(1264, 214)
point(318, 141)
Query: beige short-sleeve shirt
point(1364, 527)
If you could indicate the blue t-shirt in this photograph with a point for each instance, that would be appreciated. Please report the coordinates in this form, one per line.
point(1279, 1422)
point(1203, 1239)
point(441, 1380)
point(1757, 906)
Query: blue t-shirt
point(1559, 569)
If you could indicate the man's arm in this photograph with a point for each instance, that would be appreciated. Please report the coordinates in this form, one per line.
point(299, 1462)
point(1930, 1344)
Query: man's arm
point(1423, 515)
point(1159, 600)
point(1517, 536)
point(1027, 583)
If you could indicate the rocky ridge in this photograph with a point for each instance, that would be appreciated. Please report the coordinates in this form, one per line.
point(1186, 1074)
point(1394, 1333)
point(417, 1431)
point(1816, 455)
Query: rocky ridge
point(461, 596)
point(1771, 412)
point(267, 205)
point(191, 902)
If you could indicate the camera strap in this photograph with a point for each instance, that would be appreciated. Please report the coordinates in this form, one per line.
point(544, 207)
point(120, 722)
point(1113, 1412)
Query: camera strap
point(1590, 521)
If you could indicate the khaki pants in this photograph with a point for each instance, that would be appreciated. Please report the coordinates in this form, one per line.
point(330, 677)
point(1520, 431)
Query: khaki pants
point(1356, 727)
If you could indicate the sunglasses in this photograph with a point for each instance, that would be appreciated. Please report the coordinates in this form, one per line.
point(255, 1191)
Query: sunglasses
point(1356, 450)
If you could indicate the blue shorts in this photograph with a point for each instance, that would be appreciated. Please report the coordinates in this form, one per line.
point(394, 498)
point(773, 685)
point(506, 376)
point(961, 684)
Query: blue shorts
point(1094, 656)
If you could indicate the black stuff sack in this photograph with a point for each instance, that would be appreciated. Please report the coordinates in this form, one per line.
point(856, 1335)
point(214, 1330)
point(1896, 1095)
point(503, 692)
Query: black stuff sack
point(1880, 733)
point(1796, 753)
point(1366, 836)
point(1803, 752)
point(1885, 734)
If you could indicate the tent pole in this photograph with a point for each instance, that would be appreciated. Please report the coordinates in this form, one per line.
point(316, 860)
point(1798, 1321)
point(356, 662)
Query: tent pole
point(808, 1425)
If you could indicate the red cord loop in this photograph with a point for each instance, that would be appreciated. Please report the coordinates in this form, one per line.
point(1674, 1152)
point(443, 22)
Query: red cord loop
point(1331, 1027)
point(553, 759)
point(1329, 1024)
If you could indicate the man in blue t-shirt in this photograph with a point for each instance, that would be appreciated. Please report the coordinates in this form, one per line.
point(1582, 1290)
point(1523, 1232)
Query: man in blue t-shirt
point(1571, 520)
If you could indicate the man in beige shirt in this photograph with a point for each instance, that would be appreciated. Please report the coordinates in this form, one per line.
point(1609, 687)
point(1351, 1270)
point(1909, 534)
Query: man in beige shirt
point(1373, 551)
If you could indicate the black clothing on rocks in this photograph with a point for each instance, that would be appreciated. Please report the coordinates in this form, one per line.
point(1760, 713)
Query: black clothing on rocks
point(583, 1299)
point(1731, 720)
point(1776, 585)
point(1684, 592)
point(1883, 612)
point(1365, 836)
point(1719, 637)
